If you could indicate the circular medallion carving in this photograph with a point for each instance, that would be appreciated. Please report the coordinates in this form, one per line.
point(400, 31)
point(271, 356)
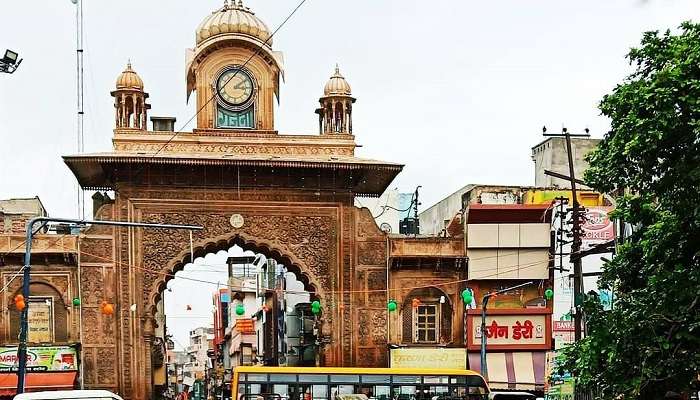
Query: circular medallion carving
point(236, 221)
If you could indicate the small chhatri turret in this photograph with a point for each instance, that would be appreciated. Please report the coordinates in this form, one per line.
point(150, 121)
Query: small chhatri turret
point(130, 100)
point(335, 113)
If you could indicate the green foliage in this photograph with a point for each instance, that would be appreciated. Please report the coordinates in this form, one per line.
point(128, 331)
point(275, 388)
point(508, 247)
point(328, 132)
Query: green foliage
point(650, 341)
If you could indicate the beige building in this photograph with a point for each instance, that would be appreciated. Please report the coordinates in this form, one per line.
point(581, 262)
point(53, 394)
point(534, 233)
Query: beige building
point(551, 155)
point(14, 213)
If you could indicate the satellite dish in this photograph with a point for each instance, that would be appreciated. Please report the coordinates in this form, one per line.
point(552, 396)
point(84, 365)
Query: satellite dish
point(385, 227)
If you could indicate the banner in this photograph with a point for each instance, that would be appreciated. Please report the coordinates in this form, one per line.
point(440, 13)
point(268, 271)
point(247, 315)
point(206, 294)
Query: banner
point(40, 320)
point(439, 358)
point(59, 358)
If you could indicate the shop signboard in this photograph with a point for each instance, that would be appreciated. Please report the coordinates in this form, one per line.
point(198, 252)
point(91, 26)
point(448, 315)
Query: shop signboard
point(563, 333)
point(57, 358)
point(511, 332)
point(598, 228)
point(438, 358)
point(39, 316)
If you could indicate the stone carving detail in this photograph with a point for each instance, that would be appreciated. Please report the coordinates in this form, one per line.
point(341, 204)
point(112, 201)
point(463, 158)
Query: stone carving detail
point(363, 328)
point(371, 253)
point(106, 366)
point(310, 239)
point(89, 366)
point(93, 285)
point(376, 283)
point(91, 326)
point(236, 149)
point(97, 251)
point(366, 227)
point(378, 327)
point(347, 285)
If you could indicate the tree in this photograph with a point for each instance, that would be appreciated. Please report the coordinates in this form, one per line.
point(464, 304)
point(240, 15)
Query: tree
point(650, 341)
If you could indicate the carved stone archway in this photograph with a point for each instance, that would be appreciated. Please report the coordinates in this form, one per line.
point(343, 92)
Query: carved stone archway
point(334, 248)
point(224, 242)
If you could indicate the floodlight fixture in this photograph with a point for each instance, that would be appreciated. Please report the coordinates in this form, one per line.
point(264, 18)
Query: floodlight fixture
point(9, 62)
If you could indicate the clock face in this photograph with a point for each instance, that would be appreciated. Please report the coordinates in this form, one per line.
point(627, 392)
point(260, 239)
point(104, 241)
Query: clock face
point(235, 87)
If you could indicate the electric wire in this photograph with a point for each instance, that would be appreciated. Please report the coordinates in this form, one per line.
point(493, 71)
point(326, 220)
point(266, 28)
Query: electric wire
point(449, 283)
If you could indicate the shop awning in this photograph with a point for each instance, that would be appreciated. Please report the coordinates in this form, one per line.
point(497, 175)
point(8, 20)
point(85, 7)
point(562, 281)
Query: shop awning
point(37, 381)
point(523, 370)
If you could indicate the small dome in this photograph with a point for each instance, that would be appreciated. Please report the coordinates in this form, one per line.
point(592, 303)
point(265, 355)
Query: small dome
point(233, 18)
point(129, 79)
point(337, 85)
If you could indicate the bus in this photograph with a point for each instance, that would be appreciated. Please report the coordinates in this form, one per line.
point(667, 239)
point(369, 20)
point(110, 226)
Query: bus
point(310, 383)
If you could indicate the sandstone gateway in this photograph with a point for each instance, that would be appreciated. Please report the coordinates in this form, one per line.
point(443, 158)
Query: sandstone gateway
point(289, 197)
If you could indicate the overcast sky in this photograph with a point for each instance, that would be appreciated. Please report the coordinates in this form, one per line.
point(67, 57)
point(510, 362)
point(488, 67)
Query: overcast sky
point(456, 90)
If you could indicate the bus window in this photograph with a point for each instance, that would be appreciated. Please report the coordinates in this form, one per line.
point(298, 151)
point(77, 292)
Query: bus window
point(341, 389)
point(375, 379)
point(283, 378)
point(345, 378)
point(282, 391)
point(313, 378)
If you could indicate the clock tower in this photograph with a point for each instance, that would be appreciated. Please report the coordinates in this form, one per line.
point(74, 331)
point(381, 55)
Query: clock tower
point(234, 71)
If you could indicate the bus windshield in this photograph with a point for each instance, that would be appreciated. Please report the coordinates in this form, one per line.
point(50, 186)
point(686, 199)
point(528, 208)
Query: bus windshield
point(358, 386)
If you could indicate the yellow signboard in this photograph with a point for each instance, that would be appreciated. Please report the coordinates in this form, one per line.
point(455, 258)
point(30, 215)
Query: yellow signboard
point(40, 321)
point(440, 358)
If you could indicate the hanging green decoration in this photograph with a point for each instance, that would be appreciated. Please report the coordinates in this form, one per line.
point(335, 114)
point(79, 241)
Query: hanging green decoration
point(76, 301)
point(548, 294)
point(240, 309)
point(467, 296)
point(316, 307)
point(391, 305)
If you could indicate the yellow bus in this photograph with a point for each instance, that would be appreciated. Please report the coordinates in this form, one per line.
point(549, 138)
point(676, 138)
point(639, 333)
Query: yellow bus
point(308, 383)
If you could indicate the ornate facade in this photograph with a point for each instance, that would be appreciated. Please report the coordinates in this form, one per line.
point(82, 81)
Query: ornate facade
point(294, 194)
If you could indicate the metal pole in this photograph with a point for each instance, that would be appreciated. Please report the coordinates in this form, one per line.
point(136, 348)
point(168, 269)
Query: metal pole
point(484, 303)
point(24, 323)
point(484, 368)
point(576, 244)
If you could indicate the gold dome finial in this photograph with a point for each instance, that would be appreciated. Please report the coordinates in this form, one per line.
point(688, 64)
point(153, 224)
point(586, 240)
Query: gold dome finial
point(129, 79)
point(233, 18)
point(337, 85)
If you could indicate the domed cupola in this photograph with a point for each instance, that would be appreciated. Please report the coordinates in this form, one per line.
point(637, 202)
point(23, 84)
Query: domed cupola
point(233, 18)
point(130, 100)
point(337, 85)
point(129, 79)
point(335, 113)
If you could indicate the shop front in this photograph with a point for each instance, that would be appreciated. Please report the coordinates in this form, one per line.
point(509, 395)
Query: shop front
point(516, 348)
point(48, 368)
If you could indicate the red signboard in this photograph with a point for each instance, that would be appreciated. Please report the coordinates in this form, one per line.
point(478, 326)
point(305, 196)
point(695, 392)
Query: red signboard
point(512, 332)
point(598, 228)
point(563, 326)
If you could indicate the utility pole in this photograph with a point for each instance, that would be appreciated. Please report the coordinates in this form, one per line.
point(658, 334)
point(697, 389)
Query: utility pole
point(24, 321)
point(575, 227)
point(416, 226)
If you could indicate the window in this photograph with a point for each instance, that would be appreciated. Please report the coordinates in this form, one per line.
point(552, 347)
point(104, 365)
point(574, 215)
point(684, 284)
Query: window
point(426, 323)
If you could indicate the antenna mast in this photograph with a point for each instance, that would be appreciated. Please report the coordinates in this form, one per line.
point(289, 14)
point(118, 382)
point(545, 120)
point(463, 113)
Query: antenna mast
point(79, 103)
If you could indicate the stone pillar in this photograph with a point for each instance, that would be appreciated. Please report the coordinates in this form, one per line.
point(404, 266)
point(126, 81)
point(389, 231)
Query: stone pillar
point(148, 337)
point(333, 117)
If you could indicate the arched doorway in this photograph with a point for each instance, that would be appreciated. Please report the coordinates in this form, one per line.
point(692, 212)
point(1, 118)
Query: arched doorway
point(228, 308)
point(336, 250)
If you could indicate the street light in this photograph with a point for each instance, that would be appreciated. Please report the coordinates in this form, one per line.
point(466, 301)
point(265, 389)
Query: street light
point(9, 62)
point(484, 302)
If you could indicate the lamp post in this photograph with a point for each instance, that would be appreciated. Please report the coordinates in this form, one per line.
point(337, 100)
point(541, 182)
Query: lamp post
point(24, 322)
point(9, 62)
point(484, 302)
